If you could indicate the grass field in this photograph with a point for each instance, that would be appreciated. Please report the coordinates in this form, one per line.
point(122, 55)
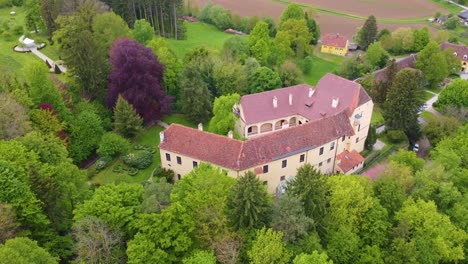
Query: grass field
point(147, 137)
point(377, 117)
point(427, 115)
point(320, 67)
point(199, 35)
point(450, 7)
point(13, 62)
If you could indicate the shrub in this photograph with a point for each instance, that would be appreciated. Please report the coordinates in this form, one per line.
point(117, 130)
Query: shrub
point(18, 30)
point(112, 145)
point(396, 136)
point(102, 163)
point(5, 3)
point(140, 160)
point(306, 64)
point(168, 174)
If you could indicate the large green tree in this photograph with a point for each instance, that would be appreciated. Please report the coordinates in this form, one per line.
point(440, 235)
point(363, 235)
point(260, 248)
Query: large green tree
point(421, 38)
point(404, 101)
point(13, 119)
point(368, 32)
point(86, 132)
point(455, 94)
point(432, 62)
point(268, 247)
point(24, 250)
point(224, 119)
point(263, 79)
point(248, 203)
point(260, 42)
point(126, 120)
point(142, 31)
point(107, 27)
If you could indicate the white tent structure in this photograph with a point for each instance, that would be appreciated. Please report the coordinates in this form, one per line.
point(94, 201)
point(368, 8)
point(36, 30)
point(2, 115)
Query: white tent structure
point(29, 43)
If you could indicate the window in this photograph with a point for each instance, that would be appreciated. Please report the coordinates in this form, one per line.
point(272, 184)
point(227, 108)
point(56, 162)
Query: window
point(282, 178)
point(332, 146)
point(329, 160)
point(302, 158)
point(265, 169)
point(179, 160)
point(320, 164)
point(321, 151)
point(195, 164)
point(284, 163)
point(359, 128)
point(265, 183)
point(168, 157)
point(343, 138)
point(249, 130)
point(357, 140)
point(178, 176)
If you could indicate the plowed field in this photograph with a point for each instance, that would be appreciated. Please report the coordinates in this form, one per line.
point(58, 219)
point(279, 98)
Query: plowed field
point(343, 16)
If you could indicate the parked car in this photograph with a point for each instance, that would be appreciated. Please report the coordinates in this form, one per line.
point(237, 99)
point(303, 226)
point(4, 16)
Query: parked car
point(416, 147)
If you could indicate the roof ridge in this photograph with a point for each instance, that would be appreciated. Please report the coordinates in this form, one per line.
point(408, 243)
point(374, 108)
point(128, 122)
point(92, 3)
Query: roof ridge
point(282, 88)
point(218, 135)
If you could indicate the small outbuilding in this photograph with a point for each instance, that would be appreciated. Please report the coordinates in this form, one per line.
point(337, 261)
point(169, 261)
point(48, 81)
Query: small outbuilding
point(29, 43)
point(463, 15)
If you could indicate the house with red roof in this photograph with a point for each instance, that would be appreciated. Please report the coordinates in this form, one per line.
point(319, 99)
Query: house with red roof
point(335, 44)
point(325, 126)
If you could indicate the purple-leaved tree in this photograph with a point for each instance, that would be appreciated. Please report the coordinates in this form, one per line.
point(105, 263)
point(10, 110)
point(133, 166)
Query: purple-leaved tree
point(137, 75)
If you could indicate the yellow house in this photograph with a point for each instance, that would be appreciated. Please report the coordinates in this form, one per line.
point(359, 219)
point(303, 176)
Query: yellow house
point(335, 44)
point(325, 126)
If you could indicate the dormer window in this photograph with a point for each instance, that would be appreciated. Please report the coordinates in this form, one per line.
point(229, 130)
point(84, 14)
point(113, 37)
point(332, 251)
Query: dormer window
point(455, 54)
point(465, 57)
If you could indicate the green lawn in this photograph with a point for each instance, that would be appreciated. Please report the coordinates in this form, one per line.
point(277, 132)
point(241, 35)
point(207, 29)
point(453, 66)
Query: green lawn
point(199, 35)
point(179, 119)
point(13, 62)
point(320, 67)
point(427, 95)
point(427, 115)
point(147, 137)
point(377, 117)
point(450, 7)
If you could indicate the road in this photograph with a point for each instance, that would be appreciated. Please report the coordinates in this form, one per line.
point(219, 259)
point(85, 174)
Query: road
point(462, 6)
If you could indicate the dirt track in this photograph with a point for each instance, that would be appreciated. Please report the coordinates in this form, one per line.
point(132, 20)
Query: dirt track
point(382, 9)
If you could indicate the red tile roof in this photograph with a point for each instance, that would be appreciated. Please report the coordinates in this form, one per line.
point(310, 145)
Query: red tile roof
point(334, 40)
point(259, 107)
point(460, 50)
point(403, 63)
point(240, 155)
point(349, 160)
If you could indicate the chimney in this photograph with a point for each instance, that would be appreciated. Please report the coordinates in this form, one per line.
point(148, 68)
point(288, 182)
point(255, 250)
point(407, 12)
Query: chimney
point(230, 134)
point(290, 99)
point(311, 92)
point(200, 126)
point(161, 137)
point(275, 102)
point(335, 102)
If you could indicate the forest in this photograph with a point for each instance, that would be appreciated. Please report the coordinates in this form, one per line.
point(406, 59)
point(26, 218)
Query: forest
point(124, 76)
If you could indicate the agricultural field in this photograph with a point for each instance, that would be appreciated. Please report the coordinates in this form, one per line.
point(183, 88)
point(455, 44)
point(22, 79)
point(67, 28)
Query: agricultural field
point(337, 16)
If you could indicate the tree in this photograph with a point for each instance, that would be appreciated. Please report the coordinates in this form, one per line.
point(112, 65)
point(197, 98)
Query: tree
point(118, 205)
point(97, 242)
point(380, 89)
point(156, 196)
point(126, 121)
point(289, 218)
point(162, 238)
point(137, 76)
point(33, 15)
point(81, 52)
point(24, 250)
point(248, 203)
point(196, 97)
point(292, 11)
point(376, 55)
point(455, 94)
point(404, 102)
point(390, 192)
point(142, 31)
point(172, 65)
point(290, 74)
point(13, 119)
point(431, 61)
point(401, 41)
point(85, 136)
point(371, 138)
point(439, 127)
point(431, 234)
point(229, 77)
point(260, 43)
point(421, 38)
point(263, 79)
point(409, 159)
point(368, 32)
point(441, 36)
point(112, 144)
point(452, 22)
point(50, 10)
point(315, 257)
point(313, 27)
point(108, 27)
point(297, 32)
point(200, 257)
point(454, 64)
point(224, 119)
point(236, 49)
point(310, 188)
point(8, 222)
point(351, 68)
point(45, 121)
point(268, 247)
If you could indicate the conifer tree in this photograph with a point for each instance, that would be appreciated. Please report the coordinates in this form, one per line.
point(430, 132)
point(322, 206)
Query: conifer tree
point(126, 120)
point(368, 32)
point(248, 203)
